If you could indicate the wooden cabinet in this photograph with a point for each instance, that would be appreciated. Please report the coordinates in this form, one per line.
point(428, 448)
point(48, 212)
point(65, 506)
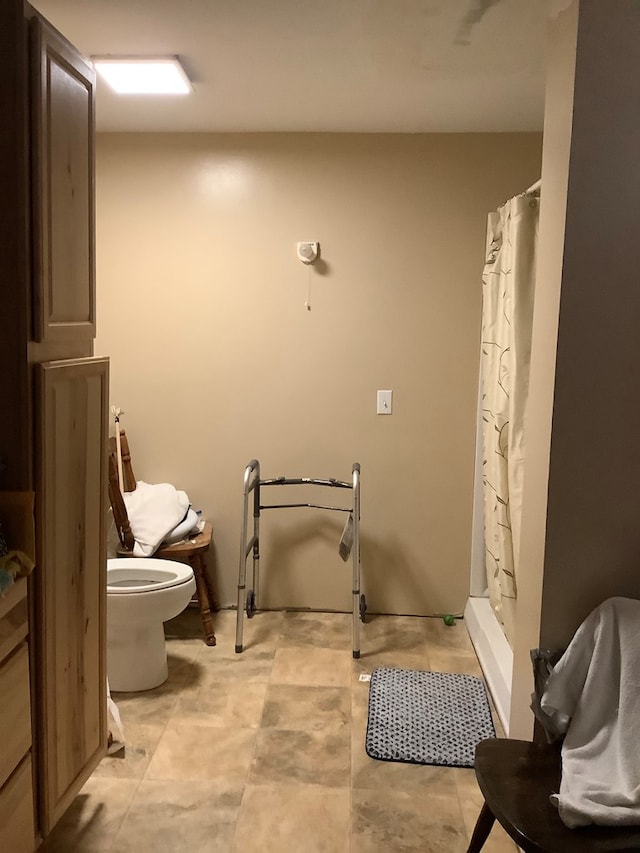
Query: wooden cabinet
point(16, 788)
point(15, 710)
point(16, 810)
point(53, 441)
point(69, 418)
point(62, 146)
point(13, 611)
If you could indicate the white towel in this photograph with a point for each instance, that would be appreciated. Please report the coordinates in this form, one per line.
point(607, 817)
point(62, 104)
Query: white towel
point(153, 512)
point(593, 695)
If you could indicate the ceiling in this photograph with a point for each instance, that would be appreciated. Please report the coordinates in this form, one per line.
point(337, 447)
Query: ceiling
point(330, 65)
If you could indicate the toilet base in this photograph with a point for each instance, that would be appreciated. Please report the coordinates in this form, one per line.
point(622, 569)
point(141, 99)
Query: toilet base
point(136, 657)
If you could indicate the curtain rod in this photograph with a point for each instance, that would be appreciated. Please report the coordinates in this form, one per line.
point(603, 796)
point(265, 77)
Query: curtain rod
point(534, 187)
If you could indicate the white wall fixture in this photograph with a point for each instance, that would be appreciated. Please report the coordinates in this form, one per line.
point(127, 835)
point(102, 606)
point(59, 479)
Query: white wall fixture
point(308, 252)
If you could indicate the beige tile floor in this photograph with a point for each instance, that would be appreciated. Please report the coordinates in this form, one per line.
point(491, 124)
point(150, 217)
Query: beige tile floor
point(264, 751)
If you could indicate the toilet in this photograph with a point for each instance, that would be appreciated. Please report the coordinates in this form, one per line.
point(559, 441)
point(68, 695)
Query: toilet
point(142, 594)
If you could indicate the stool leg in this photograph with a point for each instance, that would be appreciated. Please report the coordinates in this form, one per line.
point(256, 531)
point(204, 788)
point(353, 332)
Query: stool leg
point(211, 589)
point(481, 830)
point(203, 600)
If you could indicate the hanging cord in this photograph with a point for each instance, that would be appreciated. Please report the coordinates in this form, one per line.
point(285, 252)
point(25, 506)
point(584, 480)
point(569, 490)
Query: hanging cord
point(116, 416)
point(307, 304)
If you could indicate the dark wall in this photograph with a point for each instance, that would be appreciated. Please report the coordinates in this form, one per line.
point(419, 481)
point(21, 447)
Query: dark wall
point(15, 431)
point(592, 547)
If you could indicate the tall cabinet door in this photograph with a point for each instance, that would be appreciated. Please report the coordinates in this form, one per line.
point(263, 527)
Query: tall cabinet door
point(63, 203)
point(71, 506)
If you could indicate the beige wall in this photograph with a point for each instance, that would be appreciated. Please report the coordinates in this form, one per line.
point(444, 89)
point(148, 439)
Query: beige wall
point(560, 57)
point(593, 516)
point(215, 359)
point(584, 540)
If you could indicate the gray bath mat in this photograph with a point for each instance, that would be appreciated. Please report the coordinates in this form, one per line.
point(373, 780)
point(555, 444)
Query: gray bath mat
point(426, 717)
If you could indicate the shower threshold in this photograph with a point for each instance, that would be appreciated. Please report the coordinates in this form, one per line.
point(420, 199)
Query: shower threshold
point(494, 654)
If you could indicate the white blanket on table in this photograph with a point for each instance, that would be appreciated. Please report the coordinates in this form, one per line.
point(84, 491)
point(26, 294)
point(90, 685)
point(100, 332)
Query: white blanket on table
point(153, 513)
point(593, 695)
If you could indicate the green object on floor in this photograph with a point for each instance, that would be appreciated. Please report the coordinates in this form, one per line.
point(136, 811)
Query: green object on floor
point(449, 619)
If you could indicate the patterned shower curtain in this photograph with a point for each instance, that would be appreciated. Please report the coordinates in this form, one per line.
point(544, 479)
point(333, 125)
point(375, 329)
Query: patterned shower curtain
point(507, 316)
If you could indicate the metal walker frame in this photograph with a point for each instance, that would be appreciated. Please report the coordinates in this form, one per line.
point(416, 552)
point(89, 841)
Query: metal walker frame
point(253, 483)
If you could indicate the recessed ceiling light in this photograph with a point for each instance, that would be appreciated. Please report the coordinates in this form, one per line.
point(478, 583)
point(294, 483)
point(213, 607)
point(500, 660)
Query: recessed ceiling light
point(143, 76)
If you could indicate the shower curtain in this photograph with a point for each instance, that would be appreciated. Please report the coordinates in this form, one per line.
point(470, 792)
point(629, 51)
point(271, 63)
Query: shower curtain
point(507, 316)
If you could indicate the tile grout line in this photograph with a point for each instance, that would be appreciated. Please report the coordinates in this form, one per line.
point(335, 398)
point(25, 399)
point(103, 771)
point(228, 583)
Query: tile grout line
point(124, 815)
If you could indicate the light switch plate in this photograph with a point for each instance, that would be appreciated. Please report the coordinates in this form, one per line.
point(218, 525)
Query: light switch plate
point(384, 403)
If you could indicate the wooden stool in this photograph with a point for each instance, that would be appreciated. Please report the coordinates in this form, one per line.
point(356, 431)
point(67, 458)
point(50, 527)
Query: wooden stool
point(516, 778)
point(191, 551)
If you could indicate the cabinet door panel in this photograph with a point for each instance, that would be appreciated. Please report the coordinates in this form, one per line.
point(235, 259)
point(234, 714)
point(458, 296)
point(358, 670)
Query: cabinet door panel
point(63, 86)
point(71, 577)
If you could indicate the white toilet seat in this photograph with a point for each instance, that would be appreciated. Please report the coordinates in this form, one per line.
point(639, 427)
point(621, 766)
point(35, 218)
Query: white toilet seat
point(139, 575)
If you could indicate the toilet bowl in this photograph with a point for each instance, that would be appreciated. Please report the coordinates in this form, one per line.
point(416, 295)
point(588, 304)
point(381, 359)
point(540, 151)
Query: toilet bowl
point(142, 593)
